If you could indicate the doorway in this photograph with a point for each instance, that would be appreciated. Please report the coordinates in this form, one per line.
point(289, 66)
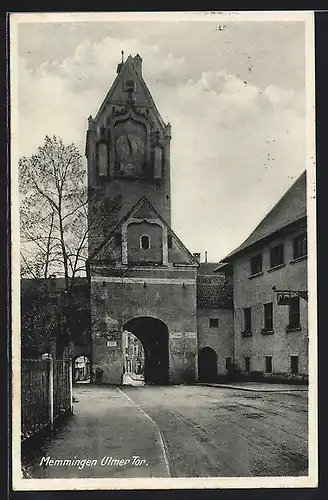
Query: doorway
point(207, 365)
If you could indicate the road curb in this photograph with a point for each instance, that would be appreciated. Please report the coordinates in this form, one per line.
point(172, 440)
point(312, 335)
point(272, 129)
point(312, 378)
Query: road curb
point(250, 389)
point(163, 445)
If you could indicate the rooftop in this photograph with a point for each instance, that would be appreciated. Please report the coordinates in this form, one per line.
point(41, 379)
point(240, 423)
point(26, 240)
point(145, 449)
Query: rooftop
point(290, 208)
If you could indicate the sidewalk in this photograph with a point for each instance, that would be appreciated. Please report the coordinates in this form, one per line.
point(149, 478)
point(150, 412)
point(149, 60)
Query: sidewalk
point(258, 386)
point(107, 430)
point(134, 381)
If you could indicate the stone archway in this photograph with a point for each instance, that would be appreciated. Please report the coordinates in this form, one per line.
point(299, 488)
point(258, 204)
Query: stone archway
point(207, 365)
point(82, 369)
point(154, 336)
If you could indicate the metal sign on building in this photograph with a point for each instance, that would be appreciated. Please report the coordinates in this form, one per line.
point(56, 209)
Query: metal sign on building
point(284, 297)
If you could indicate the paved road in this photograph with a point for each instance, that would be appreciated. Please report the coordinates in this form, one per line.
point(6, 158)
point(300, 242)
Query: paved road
point(181, 431)
point(225, 432)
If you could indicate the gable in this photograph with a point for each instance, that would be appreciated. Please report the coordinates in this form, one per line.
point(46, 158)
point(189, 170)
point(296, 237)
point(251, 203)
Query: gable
point(130, 70)
point(143, 214)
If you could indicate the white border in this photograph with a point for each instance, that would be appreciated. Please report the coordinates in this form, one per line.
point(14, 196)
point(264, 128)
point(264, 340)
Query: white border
point(107, 484)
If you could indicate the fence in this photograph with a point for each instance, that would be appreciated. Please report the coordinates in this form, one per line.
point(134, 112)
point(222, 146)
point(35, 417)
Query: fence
point(46, 393)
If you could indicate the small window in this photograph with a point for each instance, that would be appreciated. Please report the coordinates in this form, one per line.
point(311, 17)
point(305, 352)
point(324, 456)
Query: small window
point(247, 364)
point(144, 242)
point(129, 86)
point(228, 364)
point(102, 159)
point(118, 239)
point(247, 320)
point(169, 241)
point(294, 313)
point(294, 364)
point(268, 317)
point(277, 255)
point(268, 364)
point(214, 322)
point(300, 246)
point(256, 264)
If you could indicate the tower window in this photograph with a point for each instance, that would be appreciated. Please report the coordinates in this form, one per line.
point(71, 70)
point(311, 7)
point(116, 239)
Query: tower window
point(214, 322)
point(169, 241)
point(129, 86)
point(145, 242)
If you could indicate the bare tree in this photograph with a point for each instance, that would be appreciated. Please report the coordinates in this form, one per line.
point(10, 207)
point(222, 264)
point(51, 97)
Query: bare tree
point(54, 221)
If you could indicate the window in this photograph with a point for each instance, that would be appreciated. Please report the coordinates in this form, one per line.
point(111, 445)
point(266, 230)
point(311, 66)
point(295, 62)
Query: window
point(102, 158)
point(294, 364)
point(129, 86)
point(169, 241)
point(268, 364)
point(228, 364)
point(118, 239)
point(294, 313)
point(256, 264)
point(277, 255)
point(247, 320)
point(268, 317)
point(247, 364)
point(300, 246)
point(214, 322)
point(144, 242)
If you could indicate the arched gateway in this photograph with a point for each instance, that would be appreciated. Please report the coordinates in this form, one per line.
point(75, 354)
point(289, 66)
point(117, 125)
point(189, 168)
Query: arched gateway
point(153, 334)
point(207, 365)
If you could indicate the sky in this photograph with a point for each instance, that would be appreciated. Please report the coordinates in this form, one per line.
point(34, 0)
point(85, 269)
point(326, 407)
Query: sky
point(233, 91)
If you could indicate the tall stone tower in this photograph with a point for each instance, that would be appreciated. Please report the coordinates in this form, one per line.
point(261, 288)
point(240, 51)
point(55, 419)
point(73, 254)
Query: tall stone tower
point(142, 277)
point(128, 152)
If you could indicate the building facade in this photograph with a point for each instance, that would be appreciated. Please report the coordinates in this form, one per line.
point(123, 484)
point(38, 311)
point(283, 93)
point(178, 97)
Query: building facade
point(272, 338)
point(133, 354)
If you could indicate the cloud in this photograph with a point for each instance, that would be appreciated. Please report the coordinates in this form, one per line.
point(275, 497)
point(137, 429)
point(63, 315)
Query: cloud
point(235, 145)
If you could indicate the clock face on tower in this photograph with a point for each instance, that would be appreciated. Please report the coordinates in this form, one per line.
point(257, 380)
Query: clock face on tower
point(130, 147)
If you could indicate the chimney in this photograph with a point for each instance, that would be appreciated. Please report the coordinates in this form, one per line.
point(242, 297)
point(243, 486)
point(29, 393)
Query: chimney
point(138, 63)
point(197, 257)
point(205, 256)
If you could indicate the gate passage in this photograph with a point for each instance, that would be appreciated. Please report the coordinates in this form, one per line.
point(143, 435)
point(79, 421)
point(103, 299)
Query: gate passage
point(154, 336)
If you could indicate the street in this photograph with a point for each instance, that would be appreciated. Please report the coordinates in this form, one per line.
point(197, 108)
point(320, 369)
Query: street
point(178, 431)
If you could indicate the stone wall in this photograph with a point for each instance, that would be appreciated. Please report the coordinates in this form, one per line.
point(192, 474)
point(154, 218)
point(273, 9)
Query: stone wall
point(172, 300)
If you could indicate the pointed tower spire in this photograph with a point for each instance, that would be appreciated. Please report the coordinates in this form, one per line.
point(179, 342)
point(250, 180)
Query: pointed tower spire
point(119, 66)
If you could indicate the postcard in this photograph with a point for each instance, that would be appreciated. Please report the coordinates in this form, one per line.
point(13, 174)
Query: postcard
point(163, 215)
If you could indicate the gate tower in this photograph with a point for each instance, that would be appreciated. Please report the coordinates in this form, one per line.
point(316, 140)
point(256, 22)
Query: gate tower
point(142, 277)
